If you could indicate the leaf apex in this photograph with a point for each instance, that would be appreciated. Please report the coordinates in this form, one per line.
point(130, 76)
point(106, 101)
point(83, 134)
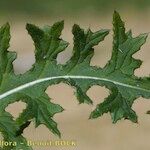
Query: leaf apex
point(62, 22)
point(94, 115)
point(75, 28)
point(116, 14)
point(59, 24)
point(7, 25)
point(29, 25)
point(117, 19)
point(144, 35)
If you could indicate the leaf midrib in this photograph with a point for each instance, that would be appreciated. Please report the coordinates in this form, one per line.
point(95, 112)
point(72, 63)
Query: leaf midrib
point(30, 84)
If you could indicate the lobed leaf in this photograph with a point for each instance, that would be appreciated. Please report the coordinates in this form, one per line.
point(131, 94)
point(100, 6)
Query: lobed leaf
point(118, 76)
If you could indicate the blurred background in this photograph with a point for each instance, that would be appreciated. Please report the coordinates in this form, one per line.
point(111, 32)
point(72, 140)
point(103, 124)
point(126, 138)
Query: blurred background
point(98, 134)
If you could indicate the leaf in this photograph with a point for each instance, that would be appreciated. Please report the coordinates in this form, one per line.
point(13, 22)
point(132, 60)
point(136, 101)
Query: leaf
point(41, 109)
point(122, 65)
point(9, 128)
point(48, 45)
point(47, 41)
point(83, 52)
point(118, 76)
point(117, 106)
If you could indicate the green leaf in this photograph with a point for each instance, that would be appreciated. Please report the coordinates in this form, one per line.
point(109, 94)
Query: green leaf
point(82, 52)
point(122, 66)
point(118, 76)
point(9, 128)
point(117, 106)
point(41, 109)
point(47, 41)
point(6, 58)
